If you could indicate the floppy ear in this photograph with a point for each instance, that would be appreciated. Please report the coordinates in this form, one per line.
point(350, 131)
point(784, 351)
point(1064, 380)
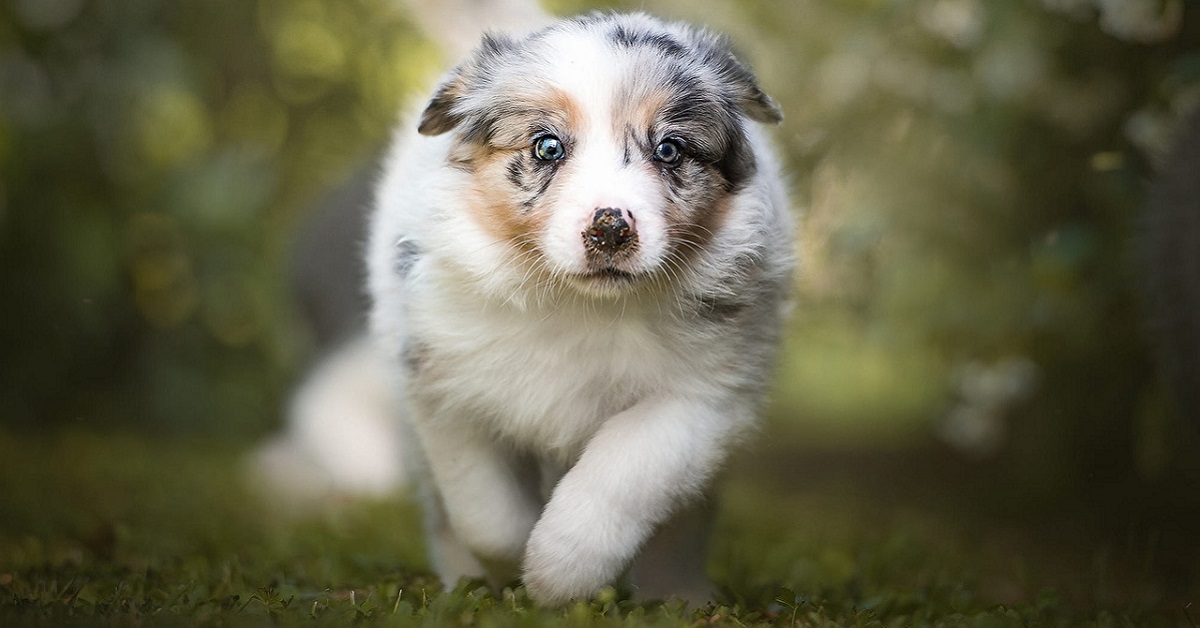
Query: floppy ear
point(439, 116)
point(755, 103)
point(719, 52)
point(448, 107)
point(761, 107)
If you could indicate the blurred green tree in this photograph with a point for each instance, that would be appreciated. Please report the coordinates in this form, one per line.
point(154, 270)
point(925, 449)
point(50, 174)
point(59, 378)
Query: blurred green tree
point(154, 158)
point(971, 176)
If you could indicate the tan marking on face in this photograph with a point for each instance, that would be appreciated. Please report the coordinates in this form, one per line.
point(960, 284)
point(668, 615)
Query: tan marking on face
point(563, 104)
point(495, 203)
point(467, 155)
point(639, 111)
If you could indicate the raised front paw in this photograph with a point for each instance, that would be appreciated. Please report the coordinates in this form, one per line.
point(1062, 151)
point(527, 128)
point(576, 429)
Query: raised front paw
point(572, 554)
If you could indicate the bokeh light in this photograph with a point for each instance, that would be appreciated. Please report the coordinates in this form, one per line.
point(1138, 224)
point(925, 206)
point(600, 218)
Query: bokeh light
point(968, 178)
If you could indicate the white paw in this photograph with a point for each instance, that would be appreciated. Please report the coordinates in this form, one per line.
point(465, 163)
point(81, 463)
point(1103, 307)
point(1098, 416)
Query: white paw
point(574, 551)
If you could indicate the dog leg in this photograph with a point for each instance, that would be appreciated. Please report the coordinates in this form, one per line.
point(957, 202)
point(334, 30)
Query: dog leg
point(638, 469)
point(452, 559)
point(483, 507)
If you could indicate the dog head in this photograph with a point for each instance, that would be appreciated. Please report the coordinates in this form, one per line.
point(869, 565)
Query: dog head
point(604, 150)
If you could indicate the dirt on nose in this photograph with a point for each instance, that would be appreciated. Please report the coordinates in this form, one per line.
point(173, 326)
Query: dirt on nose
point(610, 231)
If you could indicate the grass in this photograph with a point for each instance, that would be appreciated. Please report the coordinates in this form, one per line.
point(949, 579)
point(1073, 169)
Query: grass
point(123, 530)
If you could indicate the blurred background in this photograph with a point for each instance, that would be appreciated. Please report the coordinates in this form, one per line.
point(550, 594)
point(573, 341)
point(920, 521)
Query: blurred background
point(972, 321)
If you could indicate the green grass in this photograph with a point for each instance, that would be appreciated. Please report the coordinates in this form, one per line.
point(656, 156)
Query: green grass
point(122, 530)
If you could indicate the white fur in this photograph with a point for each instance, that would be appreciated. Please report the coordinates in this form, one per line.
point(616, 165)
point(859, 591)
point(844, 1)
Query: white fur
point(341, 438)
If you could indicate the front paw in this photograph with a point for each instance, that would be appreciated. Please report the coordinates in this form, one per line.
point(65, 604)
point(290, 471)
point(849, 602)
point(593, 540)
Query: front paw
point(572, 555)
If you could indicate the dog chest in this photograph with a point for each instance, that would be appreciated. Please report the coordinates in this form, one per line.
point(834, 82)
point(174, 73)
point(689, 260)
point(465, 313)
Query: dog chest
point(545, 383)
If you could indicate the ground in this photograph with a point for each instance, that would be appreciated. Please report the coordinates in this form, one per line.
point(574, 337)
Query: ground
point(104, 529)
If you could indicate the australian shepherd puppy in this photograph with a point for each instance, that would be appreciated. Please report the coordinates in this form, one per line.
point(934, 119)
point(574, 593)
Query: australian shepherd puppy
point(578, 263)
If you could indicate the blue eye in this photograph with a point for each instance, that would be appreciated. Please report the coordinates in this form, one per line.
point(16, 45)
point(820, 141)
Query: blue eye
point(549, 148)
point(668, 152)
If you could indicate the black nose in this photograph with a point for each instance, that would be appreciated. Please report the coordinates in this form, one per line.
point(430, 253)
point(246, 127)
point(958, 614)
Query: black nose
point(610, 231)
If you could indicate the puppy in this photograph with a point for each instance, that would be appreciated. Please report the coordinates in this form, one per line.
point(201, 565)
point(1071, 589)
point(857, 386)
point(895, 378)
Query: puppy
point(578, 265)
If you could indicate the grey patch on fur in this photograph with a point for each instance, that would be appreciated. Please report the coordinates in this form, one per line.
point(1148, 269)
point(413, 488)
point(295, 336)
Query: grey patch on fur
point(516, 172)
point(413, 356)
point(407, 254)
point(721, 310)
point(537, 194)
point(626, 37)
point(530, 176)
point(749, 286)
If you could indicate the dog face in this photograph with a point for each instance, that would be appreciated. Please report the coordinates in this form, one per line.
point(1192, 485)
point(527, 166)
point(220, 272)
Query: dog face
point(603, 150)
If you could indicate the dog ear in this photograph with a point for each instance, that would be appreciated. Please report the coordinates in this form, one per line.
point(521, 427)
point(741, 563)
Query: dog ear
point(439, 116)
point(718, 52)
point(761, 107)
point(755, 103)
point(448, 108)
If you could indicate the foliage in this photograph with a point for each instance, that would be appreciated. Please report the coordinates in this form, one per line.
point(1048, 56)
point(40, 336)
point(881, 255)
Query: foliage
point(154, 158)
point(970, 176)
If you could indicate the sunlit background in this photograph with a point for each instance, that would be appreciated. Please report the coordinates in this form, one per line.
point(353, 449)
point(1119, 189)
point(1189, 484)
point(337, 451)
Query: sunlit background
point(968, 176)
